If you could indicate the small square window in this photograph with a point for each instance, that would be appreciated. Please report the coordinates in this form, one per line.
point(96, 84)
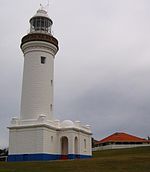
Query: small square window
point(84, 143)
point(52, 138)
point(51, 107)
point(43, 60)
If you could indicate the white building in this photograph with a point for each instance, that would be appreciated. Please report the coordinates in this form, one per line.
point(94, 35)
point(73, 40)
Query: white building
point(36, 135)
point(120, 140)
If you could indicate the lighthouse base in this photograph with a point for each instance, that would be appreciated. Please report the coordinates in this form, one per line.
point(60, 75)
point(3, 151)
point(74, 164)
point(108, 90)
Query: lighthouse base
point(43, 157)
point(48, 140)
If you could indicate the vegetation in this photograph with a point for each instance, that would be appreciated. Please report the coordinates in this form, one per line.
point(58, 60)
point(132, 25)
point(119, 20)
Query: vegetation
point(4, 152)
point(125, 160)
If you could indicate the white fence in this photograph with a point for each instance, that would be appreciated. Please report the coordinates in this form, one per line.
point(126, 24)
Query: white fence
point(121, 146)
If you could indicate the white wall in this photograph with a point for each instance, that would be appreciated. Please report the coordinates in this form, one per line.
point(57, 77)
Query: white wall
point(27, 140)
point(71, 135)
point(50, 141)
point(37, 90)
point(85, 149)
point(42, 139)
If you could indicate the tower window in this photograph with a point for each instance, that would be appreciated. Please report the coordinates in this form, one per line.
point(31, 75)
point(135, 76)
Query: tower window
point(51, 107)
point(51, 82)
point(84, 143)
point(51, 138)
point(43, 60)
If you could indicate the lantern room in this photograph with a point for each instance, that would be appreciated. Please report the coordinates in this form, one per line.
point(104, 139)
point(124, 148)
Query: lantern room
point(41, 23)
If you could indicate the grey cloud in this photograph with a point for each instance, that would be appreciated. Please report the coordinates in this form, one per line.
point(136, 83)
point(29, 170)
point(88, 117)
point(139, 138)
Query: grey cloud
point(102, 68)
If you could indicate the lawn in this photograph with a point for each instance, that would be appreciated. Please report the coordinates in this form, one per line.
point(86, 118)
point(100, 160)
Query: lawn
point(125, 160)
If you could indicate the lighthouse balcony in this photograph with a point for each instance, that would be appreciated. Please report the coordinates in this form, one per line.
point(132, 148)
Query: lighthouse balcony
point(39, 36)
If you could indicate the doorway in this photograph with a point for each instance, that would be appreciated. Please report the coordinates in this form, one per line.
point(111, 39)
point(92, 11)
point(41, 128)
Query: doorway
point(64, 147)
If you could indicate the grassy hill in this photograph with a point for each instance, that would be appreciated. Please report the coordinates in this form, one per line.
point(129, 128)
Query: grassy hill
point(125, 160)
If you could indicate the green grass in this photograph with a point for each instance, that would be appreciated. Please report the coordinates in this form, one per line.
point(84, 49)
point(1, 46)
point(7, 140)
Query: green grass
point(125, 160)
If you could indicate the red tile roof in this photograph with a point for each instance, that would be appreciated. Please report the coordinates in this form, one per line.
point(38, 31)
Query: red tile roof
point(122, 137)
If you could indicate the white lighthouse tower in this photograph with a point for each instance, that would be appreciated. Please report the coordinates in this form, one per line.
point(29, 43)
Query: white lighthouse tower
point(36, 135)
point(39, 48)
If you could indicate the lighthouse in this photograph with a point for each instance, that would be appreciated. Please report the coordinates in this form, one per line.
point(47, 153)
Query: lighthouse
point(36, 134)
point(39, 48)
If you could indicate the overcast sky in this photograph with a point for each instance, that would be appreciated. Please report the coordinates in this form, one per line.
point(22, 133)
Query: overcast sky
point(102, 70)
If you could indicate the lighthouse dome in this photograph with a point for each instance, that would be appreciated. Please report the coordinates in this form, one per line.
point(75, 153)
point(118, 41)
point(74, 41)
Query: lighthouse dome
point(67, 124)
point(41, 13)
